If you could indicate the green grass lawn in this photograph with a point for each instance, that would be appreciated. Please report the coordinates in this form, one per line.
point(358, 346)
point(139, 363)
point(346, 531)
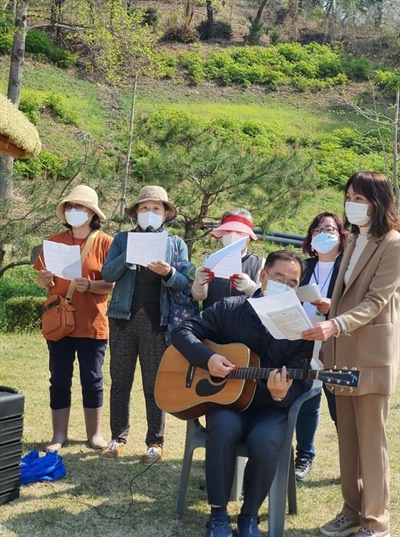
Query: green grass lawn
point(122, 497)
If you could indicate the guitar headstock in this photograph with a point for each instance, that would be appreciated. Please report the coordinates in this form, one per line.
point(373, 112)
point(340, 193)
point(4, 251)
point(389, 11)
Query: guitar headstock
point(347, 378)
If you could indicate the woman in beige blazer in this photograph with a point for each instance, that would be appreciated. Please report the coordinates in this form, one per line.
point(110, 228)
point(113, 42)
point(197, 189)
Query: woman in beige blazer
point(365, 321)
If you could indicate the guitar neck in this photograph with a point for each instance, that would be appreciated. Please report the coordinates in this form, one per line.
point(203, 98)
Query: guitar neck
point(262, 373)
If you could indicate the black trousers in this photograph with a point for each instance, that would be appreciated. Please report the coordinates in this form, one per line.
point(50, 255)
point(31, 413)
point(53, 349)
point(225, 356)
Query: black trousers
point(263, 429)
point(129, 340)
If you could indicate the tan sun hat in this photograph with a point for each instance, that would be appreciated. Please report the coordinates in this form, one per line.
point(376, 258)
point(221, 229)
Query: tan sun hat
point(83, 195)
point(152, 193)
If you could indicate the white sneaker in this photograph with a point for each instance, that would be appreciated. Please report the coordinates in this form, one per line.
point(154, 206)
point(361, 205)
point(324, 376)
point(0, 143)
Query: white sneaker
point(153, 454)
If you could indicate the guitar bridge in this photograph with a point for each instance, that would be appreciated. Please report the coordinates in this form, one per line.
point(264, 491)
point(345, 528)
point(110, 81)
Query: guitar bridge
point(190, 376)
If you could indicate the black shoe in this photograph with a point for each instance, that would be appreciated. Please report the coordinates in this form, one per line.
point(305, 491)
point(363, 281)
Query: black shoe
point(302, 467)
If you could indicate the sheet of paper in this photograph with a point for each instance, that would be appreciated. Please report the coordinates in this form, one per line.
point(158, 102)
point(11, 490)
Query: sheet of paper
point(145, 248)
point(309, 293)
point(283, 315)
point(62, 260)
point(226, 261)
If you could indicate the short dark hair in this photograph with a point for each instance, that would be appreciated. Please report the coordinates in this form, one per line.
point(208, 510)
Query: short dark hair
point(378, 191)
point(315, 223)
point(284, 255)
point(94, 223)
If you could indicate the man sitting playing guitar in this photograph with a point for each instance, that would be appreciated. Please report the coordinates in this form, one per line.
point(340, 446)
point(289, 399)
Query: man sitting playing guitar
point(262, 424)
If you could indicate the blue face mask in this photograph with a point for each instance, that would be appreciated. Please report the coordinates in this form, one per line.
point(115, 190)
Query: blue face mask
point(276, 288)
point(324, 242)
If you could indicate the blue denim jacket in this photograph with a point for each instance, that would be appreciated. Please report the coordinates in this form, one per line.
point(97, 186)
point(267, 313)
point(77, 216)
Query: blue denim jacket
point(116, 269)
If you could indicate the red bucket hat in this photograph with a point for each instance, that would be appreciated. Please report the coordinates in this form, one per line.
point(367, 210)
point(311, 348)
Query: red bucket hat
point(234, 223)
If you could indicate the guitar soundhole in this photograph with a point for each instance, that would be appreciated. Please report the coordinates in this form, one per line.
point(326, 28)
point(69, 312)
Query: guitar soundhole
point(204, 388)
point(217, 380)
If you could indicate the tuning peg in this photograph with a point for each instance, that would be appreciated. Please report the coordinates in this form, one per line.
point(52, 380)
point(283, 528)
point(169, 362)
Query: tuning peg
point(351, 390)
point(332, 388)
point(341, 389)
point(344, 368)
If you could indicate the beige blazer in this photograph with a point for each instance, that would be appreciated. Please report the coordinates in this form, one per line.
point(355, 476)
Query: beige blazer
point(370, 306)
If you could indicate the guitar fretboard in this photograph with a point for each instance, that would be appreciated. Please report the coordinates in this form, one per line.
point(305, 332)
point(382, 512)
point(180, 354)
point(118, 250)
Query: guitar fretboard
point(262, 373)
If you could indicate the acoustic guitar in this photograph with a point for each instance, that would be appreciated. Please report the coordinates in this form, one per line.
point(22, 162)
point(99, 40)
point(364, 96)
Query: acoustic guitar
point(189, 392)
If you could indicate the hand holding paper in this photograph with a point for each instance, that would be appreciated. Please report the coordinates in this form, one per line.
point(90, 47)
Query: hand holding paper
point(282, 314)
point(62, 260)
point(145, 248)
point(309, 293)
point(227, 260)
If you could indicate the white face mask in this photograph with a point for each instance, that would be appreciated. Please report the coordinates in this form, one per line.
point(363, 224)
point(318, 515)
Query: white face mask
point(276, 288)
point(76, 217)
point(150, 219)
point(324, 242)
point(357, 213)
point(229, 238)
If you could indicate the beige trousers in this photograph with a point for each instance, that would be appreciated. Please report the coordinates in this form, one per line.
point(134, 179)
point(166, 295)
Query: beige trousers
point(364, 461)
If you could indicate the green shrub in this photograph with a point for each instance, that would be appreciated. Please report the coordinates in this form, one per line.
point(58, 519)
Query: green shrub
point(37, 42)
point(22, 314)
point(150, 17)
point(46, 165)
point(60, 57)
point(6, 42)
point(31, 104)
point(56, 104)
point(42, 48)
point(18, 282)
point(257, 29)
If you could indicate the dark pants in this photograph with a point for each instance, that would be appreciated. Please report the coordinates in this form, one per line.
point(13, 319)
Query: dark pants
point(128, 340)
point(90, 353)
point(264, 431)
point(307, 423)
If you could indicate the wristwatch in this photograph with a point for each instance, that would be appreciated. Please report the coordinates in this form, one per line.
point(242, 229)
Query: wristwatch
point(277, 399)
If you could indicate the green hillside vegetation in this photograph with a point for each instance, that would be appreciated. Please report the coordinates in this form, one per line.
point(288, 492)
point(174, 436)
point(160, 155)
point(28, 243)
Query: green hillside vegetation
point(271, 128)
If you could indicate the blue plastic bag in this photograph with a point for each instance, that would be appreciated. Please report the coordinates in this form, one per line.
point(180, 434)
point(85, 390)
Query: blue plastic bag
point(47, 468)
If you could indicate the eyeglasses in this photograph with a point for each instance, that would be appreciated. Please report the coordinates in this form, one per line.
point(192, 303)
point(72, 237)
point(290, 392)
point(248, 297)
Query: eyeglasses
point(327, 229)
point(69, 206)
point(279, 279)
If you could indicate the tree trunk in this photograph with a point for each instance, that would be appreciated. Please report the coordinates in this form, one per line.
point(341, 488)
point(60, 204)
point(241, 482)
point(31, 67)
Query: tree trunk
point(261, 10)
point(210, 19)
point(14, 89)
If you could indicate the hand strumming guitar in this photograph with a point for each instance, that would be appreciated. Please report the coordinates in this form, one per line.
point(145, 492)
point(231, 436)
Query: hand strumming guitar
point(219, 366)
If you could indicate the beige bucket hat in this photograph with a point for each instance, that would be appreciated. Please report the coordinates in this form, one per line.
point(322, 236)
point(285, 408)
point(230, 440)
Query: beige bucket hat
point(152, 193)
point(83, 195)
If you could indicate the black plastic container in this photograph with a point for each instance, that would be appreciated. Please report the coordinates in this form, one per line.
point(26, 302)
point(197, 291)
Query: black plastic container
point(11, 427)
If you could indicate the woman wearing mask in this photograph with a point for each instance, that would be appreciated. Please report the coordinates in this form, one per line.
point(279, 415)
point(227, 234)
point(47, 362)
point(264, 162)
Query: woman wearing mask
point(235, 224)
point(80, 213)
point(139, 314)
point(364, 319)
point(324, 242)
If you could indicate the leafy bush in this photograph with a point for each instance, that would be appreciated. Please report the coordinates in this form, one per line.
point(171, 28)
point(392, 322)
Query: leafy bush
point(56, 104)
point(388, 80)
point(150, 17)
point(60, 57)
point(46, 164)
point(18, 282)
point(6, 42)
point(306, 68)
point(22, 314)
point(32, 104)
point(257, 30)
point(42, 48)
point(37, 42)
